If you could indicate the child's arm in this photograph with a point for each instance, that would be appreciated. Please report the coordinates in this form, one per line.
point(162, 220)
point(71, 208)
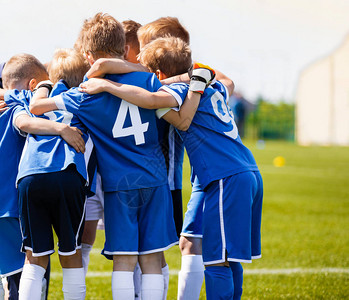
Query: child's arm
point(201, 76)
point(72, 135)
point(104, 66)
point(40, 103)
point(182, 119)
point(130, 93)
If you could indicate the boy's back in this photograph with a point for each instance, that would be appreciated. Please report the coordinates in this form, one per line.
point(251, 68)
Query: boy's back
point(128, 153)
point(212, 134)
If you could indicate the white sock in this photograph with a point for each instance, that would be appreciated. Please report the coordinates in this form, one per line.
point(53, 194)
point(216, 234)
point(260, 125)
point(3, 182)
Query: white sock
point(30, 285)
point(2, 291)
point(190, 277)
point(74, 287)
point(85, 252)
point(166, 273)
point(122, 285)
point(152, 286)
point(137, 279)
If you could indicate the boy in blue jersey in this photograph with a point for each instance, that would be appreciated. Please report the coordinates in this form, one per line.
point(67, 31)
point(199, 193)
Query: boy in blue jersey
point(22, 72)
point(138, 210)
point(50, 182)
point(230, 179)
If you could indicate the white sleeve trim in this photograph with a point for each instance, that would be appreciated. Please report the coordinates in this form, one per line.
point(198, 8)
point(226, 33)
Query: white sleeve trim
point(16, 115)
point(174, 94)
point(163, 111)
point(59, 102)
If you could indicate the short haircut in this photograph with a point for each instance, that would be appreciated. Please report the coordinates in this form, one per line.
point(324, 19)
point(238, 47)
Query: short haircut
point(170, 55)
point(69, 65)
point(131, 27)
point(101, 35)
point(162, 27)
point(22, 67)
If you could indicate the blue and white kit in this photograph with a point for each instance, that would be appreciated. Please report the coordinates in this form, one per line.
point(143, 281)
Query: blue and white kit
point(129, 156)
point(50, 157)
point(217, 155)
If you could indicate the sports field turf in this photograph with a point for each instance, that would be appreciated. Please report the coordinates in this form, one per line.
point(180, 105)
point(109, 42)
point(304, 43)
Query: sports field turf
point(305, 230)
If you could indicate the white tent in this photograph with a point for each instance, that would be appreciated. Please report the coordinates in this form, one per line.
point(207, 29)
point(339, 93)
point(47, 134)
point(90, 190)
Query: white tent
point(322, 100)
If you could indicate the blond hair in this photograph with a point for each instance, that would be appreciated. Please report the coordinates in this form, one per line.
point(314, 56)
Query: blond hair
point(162, 27)
point(22, 67)
point(170, 55)
point(102, 35)
point(69, 65)
point(131, 27)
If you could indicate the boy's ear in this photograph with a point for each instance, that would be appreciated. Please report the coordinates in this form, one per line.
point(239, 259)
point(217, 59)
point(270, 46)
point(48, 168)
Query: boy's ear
point(32, 84)
point(127, 49)
point(88, 56)
point(160, 75)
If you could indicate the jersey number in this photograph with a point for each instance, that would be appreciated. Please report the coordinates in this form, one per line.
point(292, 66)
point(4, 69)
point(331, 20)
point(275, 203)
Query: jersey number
point(224, 114)
point(137, 128)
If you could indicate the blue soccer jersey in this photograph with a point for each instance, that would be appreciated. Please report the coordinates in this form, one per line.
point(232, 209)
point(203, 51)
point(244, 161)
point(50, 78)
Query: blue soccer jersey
point(125, 136)
point(212, 141)
point(46, 153)
point(173, 149)
point(11, 146)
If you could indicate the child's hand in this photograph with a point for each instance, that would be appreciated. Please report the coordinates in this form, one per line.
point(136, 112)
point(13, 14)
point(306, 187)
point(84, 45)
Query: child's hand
point(93, 86)
point(3, 106)
point(73, 136)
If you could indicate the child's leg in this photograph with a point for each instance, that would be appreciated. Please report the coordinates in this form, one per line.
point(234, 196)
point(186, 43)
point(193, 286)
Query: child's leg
point(87, 240)
point(237, 270)
point(122, 277)
point(30, 286)
point(219, 283)
point(191, 275)
point(152, 278)
point(74, 286)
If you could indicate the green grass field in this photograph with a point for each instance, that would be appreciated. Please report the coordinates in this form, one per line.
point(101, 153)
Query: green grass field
point(305, 230)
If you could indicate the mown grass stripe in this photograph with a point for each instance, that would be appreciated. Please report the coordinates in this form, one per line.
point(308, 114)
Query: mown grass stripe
point(246, 272)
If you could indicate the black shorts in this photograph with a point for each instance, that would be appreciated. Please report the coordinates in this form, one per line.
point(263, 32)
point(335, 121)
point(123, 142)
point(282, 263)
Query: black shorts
point(49, 200)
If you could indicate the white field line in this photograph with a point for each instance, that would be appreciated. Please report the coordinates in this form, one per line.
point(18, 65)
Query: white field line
point(246, 272)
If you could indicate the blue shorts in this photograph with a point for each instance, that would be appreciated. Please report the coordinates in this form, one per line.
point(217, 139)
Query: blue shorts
point(138, 221)
point(49, 200)
point(192, 224)
point(232, 219)
point(11, 257)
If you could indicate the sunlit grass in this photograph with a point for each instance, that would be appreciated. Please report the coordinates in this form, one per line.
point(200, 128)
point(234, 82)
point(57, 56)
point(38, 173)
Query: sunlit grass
point(305, 227)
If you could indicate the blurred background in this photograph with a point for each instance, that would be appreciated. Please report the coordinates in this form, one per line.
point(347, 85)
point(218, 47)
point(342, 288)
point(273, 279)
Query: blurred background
point(282, 55)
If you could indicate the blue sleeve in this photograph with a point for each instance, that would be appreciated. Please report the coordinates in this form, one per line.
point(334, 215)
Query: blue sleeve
point(69, 101)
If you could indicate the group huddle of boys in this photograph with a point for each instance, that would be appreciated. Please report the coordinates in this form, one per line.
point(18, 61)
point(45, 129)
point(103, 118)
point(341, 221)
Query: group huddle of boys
point(124, 111)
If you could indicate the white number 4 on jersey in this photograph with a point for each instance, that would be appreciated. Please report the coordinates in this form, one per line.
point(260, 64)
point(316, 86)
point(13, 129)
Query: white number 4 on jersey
point(137, 128)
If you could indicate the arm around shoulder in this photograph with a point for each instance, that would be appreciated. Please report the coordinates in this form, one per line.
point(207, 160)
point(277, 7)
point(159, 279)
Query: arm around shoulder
point(40, 103)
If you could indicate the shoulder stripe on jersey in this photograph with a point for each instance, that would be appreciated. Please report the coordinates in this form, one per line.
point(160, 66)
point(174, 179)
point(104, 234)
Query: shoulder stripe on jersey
point(59, 102)
point(15, 116)
point(174, 94)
